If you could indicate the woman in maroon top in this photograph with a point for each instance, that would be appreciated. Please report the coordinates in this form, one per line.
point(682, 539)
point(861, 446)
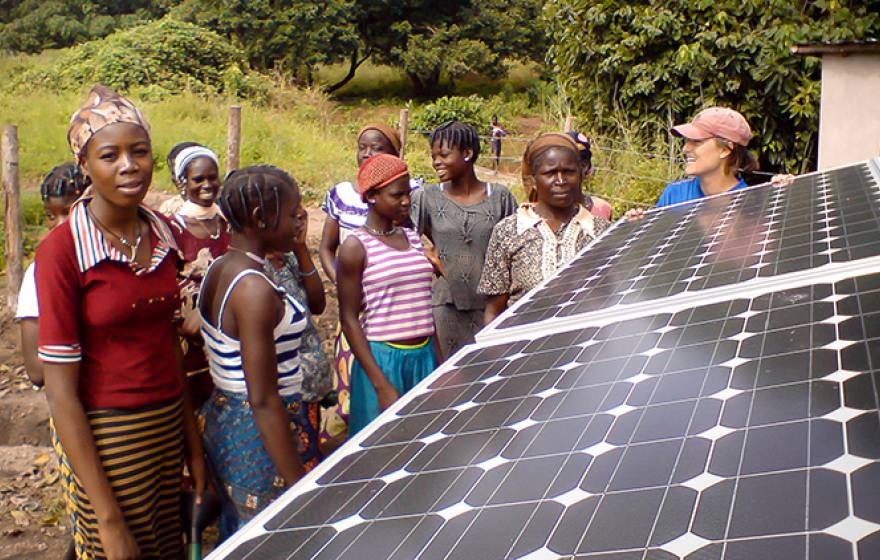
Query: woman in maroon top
point(201, 235)
point(107, 287)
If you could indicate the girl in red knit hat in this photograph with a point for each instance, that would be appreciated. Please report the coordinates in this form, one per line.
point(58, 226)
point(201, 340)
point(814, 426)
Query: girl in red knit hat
point(384, 284)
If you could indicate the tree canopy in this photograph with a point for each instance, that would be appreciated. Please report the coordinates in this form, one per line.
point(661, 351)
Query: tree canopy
point(655, 63)
point(427, 39)
point(291, 37)
point(34, 25)
point(430, 38)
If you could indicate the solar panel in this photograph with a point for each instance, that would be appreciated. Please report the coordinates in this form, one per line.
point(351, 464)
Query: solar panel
point(822, 218)
point(737, 424)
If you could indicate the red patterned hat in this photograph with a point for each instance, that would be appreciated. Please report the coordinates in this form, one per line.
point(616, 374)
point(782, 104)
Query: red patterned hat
point(379, 171)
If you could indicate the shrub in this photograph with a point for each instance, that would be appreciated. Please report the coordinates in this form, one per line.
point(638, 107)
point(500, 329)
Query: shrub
point(471, 110)
point(152, 60)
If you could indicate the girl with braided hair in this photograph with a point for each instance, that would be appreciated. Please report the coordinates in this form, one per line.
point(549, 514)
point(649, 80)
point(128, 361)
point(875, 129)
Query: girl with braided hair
point(255, 435)
point(59, 190)
point(458, 215)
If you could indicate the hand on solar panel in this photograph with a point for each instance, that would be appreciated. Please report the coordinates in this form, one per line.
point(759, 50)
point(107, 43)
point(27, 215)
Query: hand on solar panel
point(634, 214)
point(782, 179)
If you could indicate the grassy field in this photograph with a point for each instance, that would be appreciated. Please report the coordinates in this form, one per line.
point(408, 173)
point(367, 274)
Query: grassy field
point(311, 135)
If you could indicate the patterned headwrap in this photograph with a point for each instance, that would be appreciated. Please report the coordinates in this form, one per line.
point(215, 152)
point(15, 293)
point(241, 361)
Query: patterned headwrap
point(537, 147)
point(102, 108)
point(379, 171)
point(386, 131)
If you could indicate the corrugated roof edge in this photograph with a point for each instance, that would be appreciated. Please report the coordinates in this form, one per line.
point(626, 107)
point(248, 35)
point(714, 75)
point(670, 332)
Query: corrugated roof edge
point(867, 46)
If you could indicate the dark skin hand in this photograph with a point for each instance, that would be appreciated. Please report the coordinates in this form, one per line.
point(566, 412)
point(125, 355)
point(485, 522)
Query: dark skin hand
point(495, 306)
point(314, 288)
point(388, 206)
point(75, 433)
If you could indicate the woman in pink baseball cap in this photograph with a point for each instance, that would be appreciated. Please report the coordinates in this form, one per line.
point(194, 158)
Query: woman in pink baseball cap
point(715, 146)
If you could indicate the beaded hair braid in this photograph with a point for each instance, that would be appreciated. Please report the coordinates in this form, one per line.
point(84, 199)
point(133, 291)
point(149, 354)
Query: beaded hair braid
point(64, 181)
point(457, 135)
point(257, 186)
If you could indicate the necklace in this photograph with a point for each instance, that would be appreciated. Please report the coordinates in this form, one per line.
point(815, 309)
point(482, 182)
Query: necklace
point(204, 226)
point(123, 240)
point(380, 233)
point(248, 254)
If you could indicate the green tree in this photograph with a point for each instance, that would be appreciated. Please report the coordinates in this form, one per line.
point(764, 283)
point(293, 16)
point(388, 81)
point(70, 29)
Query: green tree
point(653, 63)
point(291, 37)
point(431, 38)
point(33, 25)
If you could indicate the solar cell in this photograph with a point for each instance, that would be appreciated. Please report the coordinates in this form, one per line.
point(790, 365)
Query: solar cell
point(746, 428)
point(733, 413)
point(761, 232)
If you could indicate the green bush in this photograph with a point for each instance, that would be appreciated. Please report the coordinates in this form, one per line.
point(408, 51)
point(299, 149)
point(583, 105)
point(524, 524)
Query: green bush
point(656, 63)
point(472, 110)
point(152, 61)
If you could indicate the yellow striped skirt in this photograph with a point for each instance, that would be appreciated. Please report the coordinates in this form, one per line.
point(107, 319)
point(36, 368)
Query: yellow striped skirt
point(142, 454)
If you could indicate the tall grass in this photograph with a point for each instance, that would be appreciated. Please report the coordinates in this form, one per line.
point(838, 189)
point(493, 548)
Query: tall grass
point(299, 134)
point(311, 135)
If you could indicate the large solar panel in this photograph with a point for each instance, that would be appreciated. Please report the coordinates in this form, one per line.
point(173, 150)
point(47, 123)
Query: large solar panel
point(761, 232)
point(739, 425)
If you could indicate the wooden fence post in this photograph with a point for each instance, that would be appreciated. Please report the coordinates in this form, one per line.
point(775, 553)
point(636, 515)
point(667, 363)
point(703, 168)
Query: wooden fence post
point(14, 249)
point(402, 130)
point(233, 138)
point(569, 124)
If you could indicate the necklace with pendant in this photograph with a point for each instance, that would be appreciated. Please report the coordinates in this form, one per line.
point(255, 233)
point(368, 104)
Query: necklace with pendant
point(213, 236)
point(132, 246)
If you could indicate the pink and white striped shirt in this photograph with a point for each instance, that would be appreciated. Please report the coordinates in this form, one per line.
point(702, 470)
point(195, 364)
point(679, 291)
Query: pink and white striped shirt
point(397, 289)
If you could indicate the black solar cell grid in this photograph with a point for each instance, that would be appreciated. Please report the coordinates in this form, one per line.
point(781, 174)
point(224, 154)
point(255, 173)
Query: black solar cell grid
point(718, 241)
point(747, 428)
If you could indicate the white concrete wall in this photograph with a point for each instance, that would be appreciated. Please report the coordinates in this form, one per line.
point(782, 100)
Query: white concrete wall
point(849, 123)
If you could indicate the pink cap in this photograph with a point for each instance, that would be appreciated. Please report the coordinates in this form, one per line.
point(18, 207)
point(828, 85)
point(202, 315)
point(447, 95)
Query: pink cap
point(716, 122)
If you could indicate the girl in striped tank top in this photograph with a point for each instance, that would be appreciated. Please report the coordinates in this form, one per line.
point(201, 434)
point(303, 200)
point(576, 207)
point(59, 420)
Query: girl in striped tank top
point(384, 283)
point(257, 439)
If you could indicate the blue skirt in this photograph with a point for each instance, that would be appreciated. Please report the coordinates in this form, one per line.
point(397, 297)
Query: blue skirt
point(403, 366)
point(244, 473)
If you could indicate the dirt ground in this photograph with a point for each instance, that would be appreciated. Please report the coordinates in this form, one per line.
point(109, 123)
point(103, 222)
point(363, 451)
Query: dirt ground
point(32, 517)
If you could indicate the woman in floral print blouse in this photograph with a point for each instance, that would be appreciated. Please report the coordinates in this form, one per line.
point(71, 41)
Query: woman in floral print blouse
point(545, 233)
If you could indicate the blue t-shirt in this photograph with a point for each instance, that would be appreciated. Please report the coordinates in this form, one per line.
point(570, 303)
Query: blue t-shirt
point(687, 189)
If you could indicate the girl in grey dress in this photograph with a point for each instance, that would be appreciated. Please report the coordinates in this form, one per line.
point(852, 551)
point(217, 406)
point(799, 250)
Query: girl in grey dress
point(458, 215)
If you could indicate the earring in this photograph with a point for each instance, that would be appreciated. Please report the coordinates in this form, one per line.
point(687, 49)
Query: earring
point(467, 159)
